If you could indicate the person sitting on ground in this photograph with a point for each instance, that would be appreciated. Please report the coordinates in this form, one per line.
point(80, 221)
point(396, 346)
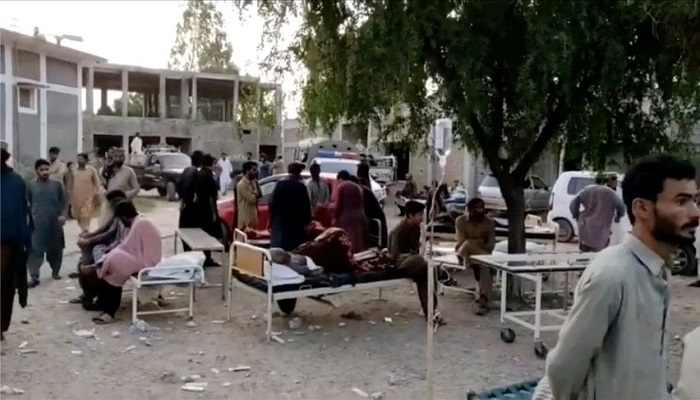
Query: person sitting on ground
point(104, 235)
point(410, 191)
point(404, 249)
point(94, 249)
point(476, 234)
point(142, 248)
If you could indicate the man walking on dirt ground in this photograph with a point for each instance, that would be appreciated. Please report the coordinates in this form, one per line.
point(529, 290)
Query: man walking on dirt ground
point(601, 205)
point(614, 343)
point(49, 206)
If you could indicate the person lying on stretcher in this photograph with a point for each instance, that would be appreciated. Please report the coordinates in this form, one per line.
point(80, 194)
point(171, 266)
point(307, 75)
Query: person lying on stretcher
point(332, 250)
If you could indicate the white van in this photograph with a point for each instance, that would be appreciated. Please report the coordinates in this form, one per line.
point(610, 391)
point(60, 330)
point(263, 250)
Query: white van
point(570, 183)
point(564, 190)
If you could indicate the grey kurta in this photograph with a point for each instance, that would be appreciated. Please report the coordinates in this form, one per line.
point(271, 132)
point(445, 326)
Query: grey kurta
point(601, 205)
point(47, 201)
point(614, 343)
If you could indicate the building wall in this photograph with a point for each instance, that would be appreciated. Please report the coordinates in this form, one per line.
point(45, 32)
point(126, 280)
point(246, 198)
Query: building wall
point(27, 145)
point(61, 72)
point(27, 65)
point(208, 136)
point(58, 99)
point(62, 123)
point(2, 59)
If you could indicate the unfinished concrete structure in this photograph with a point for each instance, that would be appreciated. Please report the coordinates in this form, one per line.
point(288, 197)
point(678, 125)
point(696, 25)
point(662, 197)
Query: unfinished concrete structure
point(189, 110)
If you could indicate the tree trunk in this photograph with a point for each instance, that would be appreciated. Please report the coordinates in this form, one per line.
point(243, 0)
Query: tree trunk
point(514, 196)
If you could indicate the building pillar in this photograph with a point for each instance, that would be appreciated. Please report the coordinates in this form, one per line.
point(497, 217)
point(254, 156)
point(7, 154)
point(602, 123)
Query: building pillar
point(279, 106)
point(258, 124)
point(193, 109)
point(125, 145)
point(89, 91)
point(184, 98)
point(125, 94)
point(161, 98)
point(103, 98)
point(234, 106)
point(43, 109)
point(10, 109)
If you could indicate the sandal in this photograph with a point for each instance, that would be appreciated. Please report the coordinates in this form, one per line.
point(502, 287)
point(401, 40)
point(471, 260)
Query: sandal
point(76, 300)
point(103, 319)
point(438, 320)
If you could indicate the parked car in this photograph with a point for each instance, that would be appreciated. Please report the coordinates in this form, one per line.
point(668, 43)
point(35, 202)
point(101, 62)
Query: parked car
point(565, 189)
point(536, 194)
point(227, 207)
point(332, 162)
point(161, 171)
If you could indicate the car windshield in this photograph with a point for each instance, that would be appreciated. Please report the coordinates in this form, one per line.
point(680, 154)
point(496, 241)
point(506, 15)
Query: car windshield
point(335, 166)
point(174, 160)
point(489, 181)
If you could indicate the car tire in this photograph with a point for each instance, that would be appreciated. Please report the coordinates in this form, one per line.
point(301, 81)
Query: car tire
point(287, 306)
point(161, 191)
point(685, 263)
point(171, 191)
point(566, 230)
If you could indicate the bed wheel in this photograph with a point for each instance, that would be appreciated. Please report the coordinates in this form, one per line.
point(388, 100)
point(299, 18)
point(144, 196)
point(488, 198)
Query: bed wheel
point(287, 306)
point(508, 335)
point(541, 350)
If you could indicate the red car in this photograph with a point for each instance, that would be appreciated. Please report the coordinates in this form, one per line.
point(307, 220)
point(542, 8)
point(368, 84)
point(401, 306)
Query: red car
point(267, 185)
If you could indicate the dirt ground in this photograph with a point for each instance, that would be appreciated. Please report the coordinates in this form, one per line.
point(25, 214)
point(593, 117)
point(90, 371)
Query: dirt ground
point(372, 354)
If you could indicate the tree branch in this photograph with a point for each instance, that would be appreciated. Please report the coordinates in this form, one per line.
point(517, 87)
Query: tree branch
point(482, 139)
point(550, 129)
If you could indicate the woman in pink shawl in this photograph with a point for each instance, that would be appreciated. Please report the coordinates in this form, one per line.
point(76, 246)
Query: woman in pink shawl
point(140, 249)
point(350, 211)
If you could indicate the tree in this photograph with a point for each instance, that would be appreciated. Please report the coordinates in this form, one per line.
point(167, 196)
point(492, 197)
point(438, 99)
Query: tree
point(514, 75)
point(201, 43)
point(135, 107)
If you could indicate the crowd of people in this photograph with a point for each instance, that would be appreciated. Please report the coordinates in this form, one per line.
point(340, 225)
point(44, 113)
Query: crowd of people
point(33, 217)
point(614, 342)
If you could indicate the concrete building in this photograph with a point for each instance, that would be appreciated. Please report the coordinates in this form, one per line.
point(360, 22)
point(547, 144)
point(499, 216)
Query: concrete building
point(189, 110)
point(40, 96)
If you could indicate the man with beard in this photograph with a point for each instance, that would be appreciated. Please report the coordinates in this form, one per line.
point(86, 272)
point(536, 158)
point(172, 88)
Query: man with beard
point(49, 206)
point(186, 187)
point(476, 234)
point(118, 176)
point(601, 205)
point(614, 343)
point(205, 211)
point(247, 195)
point(16, 235)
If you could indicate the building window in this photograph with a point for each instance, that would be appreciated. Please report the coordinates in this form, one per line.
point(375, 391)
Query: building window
point(27, 100)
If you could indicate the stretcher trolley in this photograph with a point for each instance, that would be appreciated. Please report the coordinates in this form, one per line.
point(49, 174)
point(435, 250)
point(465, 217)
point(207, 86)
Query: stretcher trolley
point(533, 267)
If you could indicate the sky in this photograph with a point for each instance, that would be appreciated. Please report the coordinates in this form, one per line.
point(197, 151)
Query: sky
point(135, 32)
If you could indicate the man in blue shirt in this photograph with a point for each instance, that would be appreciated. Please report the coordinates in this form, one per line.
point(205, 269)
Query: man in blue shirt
point(16, 235)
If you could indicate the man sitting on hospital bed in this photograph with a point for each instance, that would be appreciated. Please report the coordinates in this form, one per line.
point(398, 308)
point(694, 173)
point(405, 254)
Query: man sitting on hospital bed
point(404, 249)
point(476, 234)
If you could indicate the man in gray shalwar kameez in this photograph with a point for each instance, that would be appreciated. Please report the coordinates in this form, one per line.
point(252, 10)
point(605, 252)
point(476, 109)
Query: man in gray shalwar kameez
point(601, 205)
point(614, 342)
point(47, 201)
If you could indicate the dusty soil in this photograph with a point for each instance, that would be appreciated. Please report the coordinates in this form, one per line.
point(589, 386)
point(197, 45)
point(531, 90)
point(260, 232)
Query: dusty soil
point(369, 354)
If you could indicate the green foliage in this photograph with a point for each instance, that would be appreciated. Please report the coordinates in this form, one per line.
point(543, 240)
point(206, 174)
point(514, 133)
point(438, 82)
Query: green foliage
point(135, 107)
point(201, 43)
point(516, 76)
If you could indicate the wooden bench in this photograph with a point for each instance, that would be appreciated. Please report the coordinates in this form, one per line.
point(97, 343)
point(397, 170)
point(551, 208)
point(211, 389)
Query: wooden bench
point(198, 240)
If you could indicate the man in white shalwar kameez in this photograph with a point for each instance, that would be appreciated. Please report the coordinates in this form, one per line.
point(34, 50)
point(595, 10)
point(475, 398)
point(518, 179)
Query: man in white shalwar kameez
point(137, 156)
point(225, 170)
